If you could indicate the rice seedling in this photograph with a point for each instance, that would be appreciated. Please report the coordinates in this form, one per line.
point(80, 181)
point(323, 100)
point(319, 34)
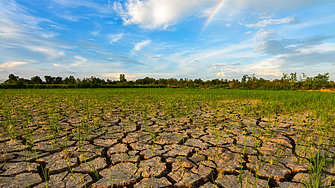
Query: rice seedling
point(91, 167)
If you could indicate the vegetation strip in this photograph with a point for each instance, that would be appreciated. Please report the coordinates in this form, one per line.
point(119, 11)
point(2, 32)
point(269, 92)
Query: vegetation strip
point(286, 82)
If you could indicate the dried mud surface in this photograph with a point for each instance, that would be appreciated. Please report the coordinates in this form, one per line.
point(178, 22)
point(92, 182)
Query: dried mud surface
point(125, 150)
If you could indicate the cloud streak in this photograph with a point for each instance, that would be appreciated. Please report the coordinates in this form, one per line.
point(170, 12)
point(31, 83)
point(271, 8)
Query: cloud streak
point(264, 23)
point(114, 38)
point(119, 58)
point(283, 46)
point(140, 45)
point(13, 64)
point(105, 9)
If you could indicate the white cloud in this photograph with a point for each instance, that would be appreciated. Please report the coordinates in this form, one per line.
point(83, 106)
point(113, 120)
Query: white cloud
point(56, 26)
point(291, 55)
point(105, 8)
point(45, 35)
point(266, 67)
point(114, 38)
point(281, 46)
point(57, 65)
point(326, 47)
point(219, 65)
point(80, 60)
point(155, 56)
point(14, 17)
point(204, 13)
point(152, 14)
point(120, 59)
point(231, 48)
point(22, 32)
point(95, 32)
point(140, 45)
point(266, 6)
point(53, 53)
point(221, 74)
point(113, 76)
point(264, 23)
point(13, 64)
point(74, 18)
point(262, 35)
point(110, 22)
point(73, 63)
point(243, 59)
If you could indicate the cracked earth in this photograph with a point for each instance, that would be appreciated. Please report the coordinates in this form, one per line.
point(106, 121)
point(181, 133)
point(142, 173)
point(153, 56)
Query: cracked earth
point(121, 149)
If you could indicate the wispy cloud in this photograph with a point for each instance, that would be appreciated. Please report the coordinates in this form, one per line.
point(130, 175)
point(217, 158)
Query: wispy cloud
point(115, 38)
point(281, 46)
point(243, 59)
point(80, 60)
point(265, 6)
point(287, 20)
point(12, 14)
point(51, 52)
point(70, 17)
point(290, 54)
point(75, 61)
point(104, 8)
point(22, 32)
point(120, 58)
point(95, 32)
point(263, 35)
point(110, 22)
point(231, 48)
point(155, 56)
point(13, 64)
point(140, 45)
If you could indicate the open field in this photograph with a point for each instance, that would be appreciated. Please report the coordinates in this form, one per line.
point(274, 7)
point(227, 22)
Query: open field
point(166, 138)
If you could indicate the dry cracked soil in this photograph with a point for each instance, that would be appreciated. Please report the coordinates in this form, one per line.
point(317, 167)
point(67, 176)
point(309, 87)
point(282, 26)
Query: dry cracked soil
point(156, 151)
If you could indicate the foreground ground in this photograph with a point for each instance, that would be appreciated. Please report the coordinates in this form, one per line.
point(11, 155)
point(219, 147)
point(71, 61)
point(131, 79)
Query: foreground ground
point(162, 138)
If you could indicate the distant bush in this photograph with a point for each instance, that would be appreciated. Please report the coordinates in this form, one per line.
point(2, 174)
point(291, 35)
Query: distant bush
point(287, 82)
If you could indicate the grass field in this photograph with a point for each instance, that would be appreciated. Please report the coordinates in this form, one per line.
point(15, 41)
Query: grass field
point(166, 137)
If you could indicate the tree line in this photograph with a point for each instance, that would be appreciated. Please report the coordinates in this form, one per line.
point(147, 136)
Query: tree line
point(286, 82)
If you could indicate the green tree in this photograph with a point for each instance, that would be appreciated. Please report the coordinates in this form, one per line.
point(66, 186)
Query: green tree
point(322, 80)
point(12, 79)
point(59, 80)
point(198, 81)
point(36, 80)
point(123, 78)
point(49, 79)
point(70, 80)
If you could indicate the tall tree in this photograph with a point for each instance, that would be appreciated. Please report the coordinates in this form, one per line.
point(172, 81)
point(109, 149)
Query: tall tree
point(49, 79)
point(59, 80)
point(36, 80)
point(123, 78)
point(12, 79)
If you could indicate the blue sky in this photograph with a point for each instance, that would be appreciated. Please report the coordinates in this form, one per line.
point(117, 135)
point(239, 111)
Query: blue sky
point(166, 38)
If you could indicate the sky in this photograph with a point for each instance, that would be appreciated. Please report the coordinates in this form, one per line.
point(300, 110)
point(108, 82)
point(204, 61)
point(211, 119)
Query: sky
point(205, 39)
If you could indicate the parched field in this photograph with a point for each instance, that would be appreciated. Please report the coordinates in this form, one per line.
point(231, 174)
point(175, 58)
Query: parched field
point(166, 138)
